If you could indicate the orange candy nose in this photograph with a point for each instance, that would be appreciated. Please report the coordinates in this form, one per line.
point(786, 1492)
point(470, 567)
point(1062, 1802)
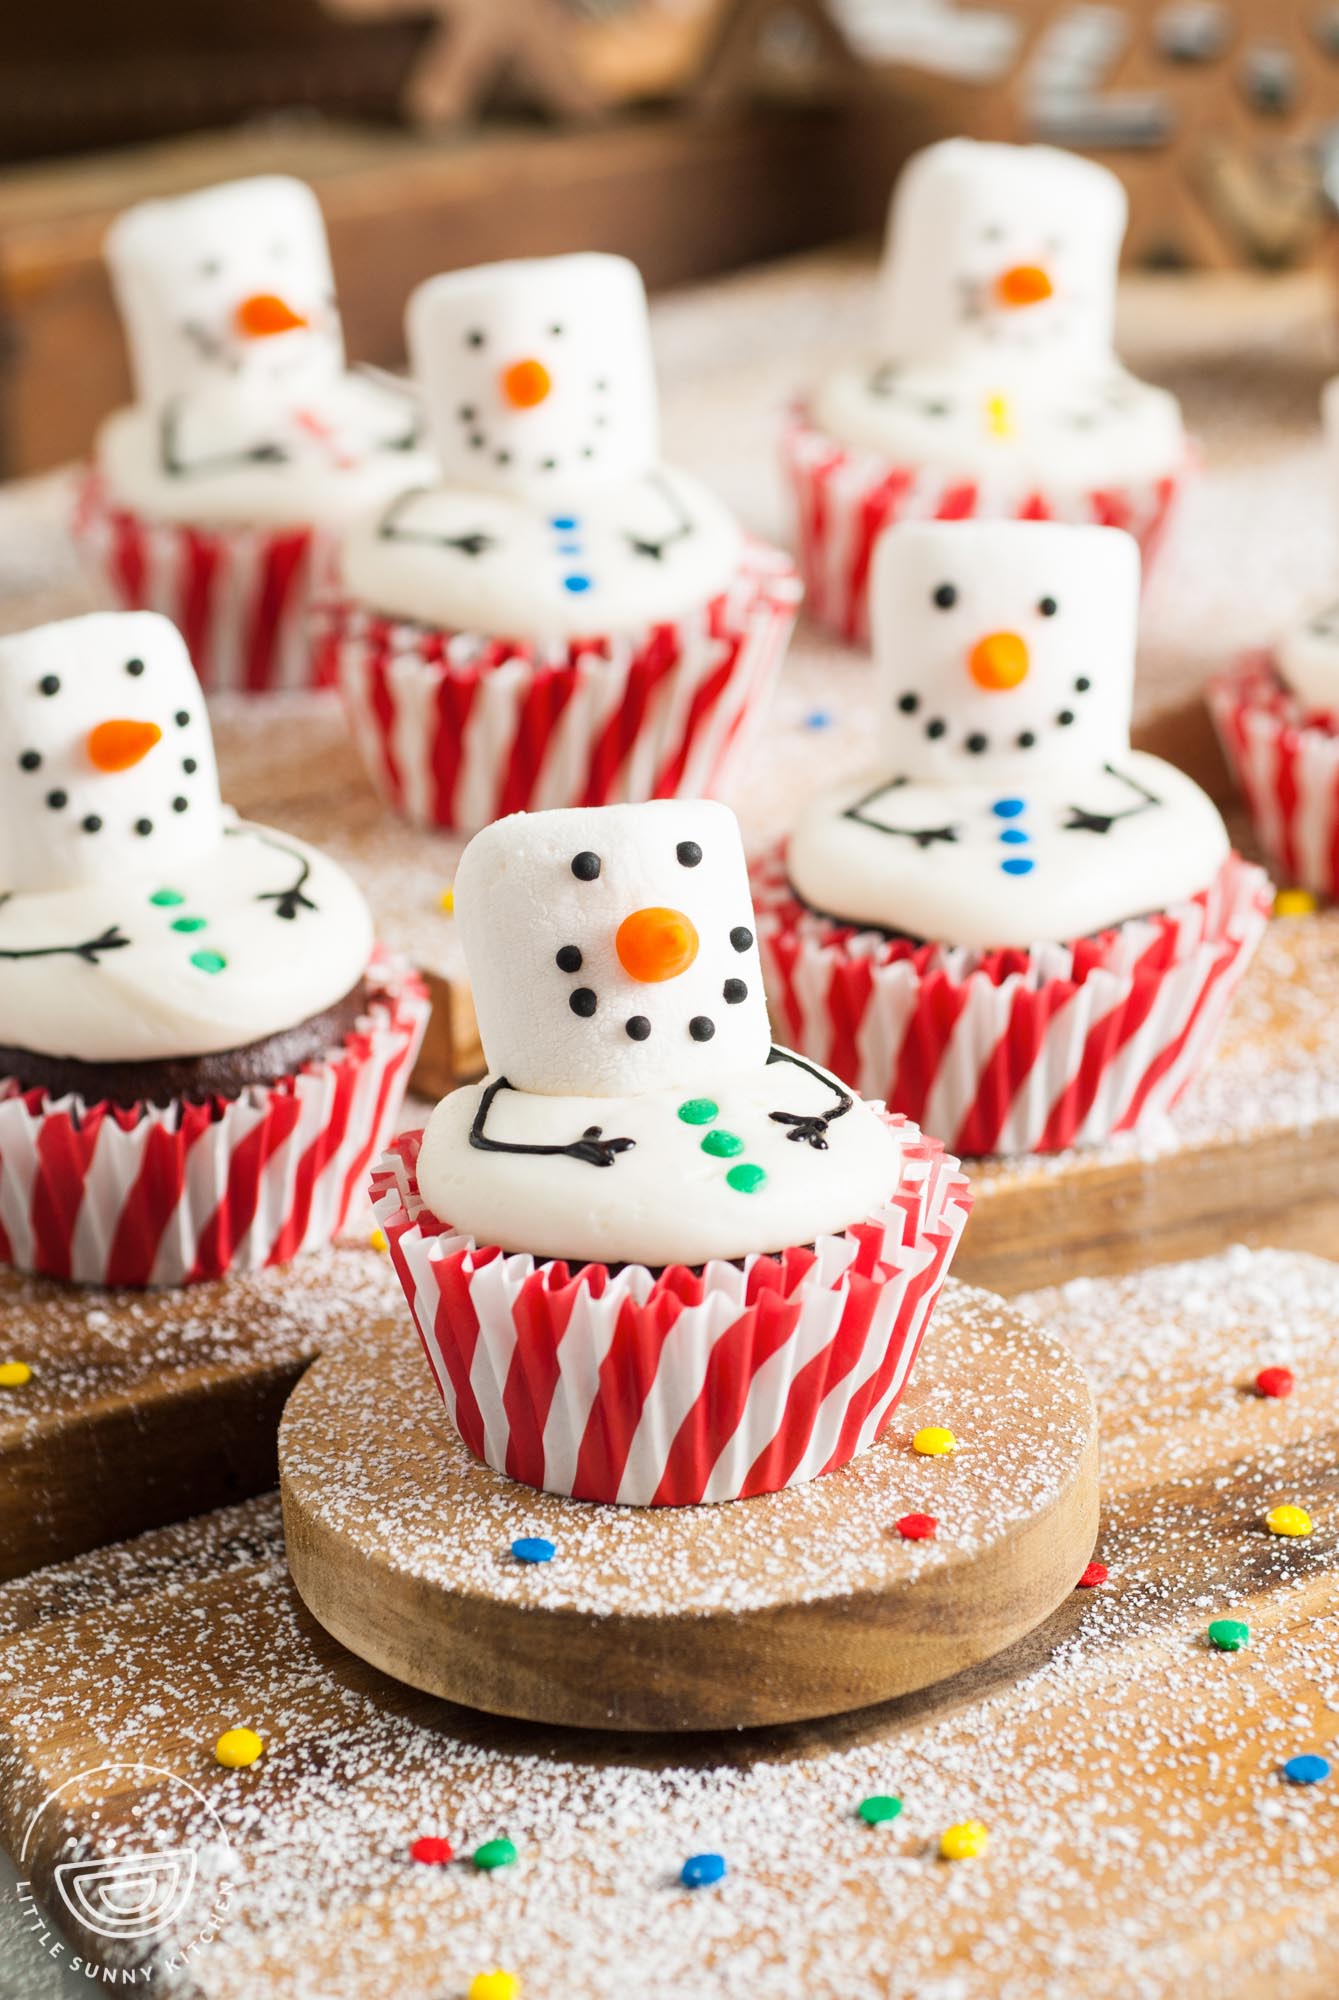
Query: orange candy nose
point(655, 944)
point(265, 313)
point(120, 745)
point(1023, 285)
point(1000, 660)
point(526, 383)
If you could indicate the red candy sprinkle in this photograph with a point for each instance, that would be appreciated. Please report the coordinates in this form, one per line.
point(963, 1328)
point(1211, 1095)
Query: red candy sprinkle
point(430, 1847)
point(1094, 1574)
point(918, 1527)
point(1274, 1382)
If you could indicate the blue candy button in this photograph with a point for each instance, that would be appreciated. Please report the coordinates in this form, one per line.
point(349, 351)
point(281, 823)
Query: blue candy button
point(1018, 864)
point(701, 1870)
point(1306, 1770)
point(533, 1549)
point(564, 523)
point(1008, 808)
point(576, 584)
point(1014, 836)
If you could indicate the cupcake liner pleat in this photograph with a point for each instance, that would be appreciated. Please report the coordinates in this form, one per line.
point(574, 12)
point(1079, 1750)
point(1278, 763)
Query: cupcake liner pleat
point(1009, 1051)
point(1285, 760)
point(676, 1387)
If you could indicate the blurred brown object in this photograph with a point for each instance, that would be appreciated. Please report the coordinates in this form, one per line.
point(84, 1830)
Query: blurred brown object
point(791, 47)
point(477, 45)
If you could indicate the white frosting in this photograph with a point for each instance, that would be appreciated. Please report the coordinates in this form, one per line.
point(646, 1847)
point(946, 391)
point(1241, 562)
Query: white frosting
point(995, 339)
point(243, 409)
point(138, 919)
point(1031, 827)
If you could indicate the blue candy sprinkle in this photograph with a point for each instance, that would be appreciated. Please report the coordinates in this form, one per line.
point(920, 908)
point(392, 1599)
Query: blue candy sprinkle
point(1008, 808)
point(564, 523)
point(1018, 864)
point(1306, 1770)
point(533, 1549)
point(701, 1870)
point(819, 718)
point(576, 584)
point(569, 548)
point(1014, 836)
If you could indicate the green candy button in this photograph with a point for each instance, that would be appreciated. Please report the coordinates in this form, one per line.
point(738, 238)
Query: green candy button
point(167, 899)
point(746, 1178)
point(722, 1145)
point(880, 1807)
point(495, 1854)
point(188, 923)
point(208, 961)
point(699, 1111)
point(1229, 1635)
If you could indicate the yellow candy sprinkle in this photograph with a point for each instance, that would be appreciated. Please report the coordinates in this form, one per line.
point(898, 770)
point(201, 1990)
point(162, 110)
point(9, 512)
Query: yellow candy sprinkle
point(237, 1748)
point(999, 416)
point(447, 903)
point(964, 1841)
point(494, 1986)
point(378, 1240)
point(1288, 1520)
point(13, 1374)
point(1294, 903)
point(934, 1442)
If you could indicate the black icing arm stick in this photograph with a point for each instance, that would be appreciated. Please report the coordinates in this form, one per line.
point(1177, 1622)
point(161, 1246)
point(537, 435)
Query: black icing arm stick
point(1083, 821)
point(290, 900)
point(810, 1128)
point(592, 1147)
point(682, 523)
point(389, 528)
point(924, 836)
point(178, 466)
point(90, 950)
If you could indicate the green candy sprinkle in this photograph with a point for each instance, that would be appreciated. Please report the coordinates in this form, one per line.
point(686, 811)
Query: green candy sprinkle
point(167, 899)
point(188, 923)
point(208, 961)
point(699, 1111)
point(1229, 1635)
point(495, 1854)
point(880, 1807)
point(722, 1145)
point(746, 1178)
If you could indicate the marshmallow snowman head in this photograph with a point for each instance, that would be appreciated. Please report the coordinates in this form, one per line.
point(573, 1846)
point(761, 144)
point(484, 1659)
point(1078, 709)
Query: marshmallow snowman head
point(537, 374)
point(109, 773)
point(1003, 258)
point(1005, 649)
point(611, 949)
point(227, 288)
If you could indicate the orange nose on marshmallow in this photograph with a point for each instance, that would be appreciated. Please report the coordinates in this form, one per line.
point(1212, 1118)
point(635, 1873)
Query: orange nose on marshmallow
point(655, 944)
point(1023, 285)
point(120, 745)
point(526, 383)
point(1000, 660)
point(265, 313)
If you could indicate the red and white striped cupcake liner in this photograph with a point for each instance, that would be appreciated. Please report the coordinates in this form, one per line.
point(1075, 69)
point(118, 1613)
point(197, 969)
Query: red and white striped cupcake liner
point(1285, 759)
point(457, 730)
point(845, 497)
point(1014, 1051)
point(168, 1195)
point(240, 596)
point(665, 1389)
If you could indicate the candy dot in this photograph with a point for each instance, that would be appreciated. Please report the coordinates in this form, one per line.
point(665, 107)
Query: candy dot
point(1275, 1382)
point(167, 899)
point(1307, 1769)
point(918, 1527)
point(879, 1808)
point(746, 1178)
point(699, 1111)
point(378, 1240)
point(964, 1841)
point(1008, 808)
point(237, 1748)
point(1229, 1635)
point(14, 1374)
point(1288, 1520)
point(699, 1871)
point(818, 718)
point(1018, 864)
point(564, 523)
point(188, 923)
point(722, 1145)
point(494, 1854)
point(1014, 836)
point(446, 902)
point(494, 1986)
point(209, 961)
point(934, 1441)
point(1294, 903)
point(533, 1549)
point(432, 1850)
point(1095, 1574)
point(578, 585)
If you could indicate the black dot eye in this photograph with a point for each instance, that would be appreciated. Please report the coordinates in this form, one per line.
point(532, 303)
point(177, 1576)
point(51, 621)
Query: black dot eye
point(701, 1029)
point(144, 826)
point(210, 268)
point(1026, 740)
point(475, 337)
point(56, 800)
point(557, 330)
point(637, 1028)
point(180, 805)
point(1082, 684)
point(189, 766)
point(31, 760)
point(909, 703)
point(91, 823)
point(569, 958)
point(741, 937)
point(689, 853)
point(993, 232)
point(582, 1002)
point(182, 718)
point(946, 596)
point(1048, 607)
point(936, 728)
point(585, 866)
point(467, 413)
point(977, 744)
point(733, 991)
point(134, 668)
point(502, 458)
point(1065, 717)
point(49, 684)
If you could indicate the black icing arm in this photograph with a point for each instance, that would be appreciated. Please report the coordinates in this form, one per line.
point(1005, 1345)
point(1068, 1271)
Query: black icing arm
point(90, 950)
point(178, 466)
point(923, 836)
point(592, 1147)
point(391, 529)
point(682, 525)
point(1082, 821)
point(289, 900)
point(810, 1128)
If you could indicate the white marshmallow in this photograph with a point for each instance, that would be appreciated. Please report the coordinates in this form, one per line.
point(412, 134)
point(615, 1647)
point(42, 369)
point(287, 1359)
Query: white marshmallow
point(537, 374)
point(526, 915)
point(1308, 652)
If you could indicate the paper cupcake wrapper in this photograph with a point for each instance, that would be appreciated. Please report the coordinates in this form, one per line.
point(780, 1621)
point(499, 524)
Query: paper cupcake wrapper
point(1014, 1051)
point(1285, 759)
point(169, 1195)
point(672, 1388)
point(844, 498)
point(457, 730)
point(241, 597)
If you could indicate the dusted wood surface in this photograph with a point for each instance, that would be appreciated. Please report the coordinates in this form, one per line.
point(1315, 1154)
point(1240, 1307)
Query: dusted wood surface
point(399, 1544)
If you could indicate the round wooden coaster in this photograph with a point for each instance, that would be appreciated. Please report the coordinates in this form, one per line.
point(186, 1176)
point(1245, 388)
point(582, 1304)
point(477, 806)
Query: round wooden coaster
point(784, 1607)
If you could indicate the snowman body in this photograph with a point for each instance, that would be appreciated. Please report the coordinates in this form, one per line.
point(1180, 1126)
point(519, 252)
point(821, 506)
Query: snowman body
point(1308, 652)
point(635, 1109)
point(553, 517)
point(1007, 807)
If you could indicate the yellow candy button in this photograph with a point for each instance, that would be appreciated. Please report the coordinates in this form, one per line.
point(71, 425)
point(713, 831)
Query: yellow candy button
point(13, 1374)
point(964, 1841)
point(237, 1748)
point(494, 1986)
point(1294, 903)
point(1288, 1520)
point(934, 1441)
point(447, 903)
point(378, 1240)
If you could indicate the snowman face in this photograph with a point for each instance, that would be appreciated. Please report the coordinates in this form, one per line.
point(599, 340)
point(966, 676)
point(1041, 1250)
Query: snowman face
point(1005, 648)
point(537, 375)
point(1003, 257)
point(228, 287)
point(611, 949)
point(109, 767)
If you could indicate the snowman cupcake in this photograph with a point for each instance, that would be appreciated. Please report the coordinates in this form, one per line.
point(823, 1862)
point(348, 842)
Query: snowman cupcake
point(652, 1257)
point(1012, 926)
point(562, 620)
point(214, 498)
point(200, 1048)
point(1277, 716)
point(992, 389)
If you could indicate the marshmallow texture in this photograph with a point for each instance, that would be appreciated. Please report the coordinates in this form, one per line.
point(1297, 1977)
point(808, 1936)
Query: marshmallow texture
point(1308, 658)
